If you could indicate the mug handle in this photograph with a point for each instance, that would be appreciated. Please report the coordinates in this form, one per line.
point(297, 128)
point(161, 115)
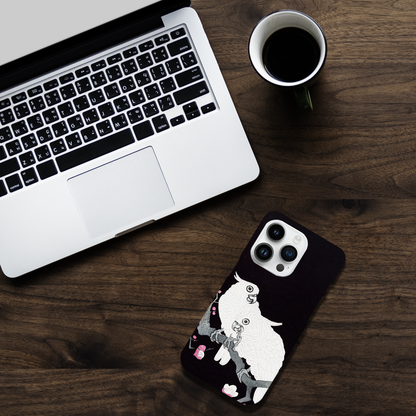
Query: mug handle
point(303, 99)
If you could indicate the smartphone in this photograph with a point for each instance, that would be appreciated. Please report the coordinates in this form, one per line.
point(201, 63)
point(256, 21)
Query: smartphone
point(259, 313)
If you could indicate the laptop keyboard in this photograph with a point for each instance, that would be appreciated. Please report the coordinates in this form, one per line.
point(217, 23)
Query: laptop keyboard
point(95, 109)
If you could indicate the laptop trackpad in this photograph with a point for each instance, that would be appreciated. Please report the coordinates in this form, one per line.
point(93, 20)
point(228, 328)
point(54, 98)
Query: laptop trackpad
point(121, 194)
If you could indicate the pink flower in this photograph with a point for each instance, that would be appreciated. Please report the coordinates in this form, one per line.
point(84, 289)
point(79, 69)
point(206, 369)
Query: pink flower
point(230, 391)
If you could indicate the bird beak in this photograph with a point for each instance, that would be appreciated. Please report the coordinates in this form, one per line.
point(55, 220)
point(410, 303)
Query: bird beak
point(252, 299)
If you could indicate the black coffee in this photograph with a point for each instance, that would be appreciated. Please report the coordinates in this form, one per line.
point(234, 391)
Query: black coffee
point(291, 54)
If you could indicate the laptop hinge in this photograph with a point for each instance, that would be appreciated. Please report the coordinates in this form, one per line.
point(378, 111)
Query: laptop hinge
point(86, 44)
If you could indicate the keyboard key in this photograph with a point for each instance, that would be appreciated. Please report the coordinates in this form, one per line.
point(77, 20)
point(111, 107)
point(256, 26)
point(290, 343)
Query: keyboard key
point(44, 135)
point(137, 97)
point(4, 103)
point(58, 147)
point(177, 120)
point(162, 39)
point(81, 103)
point(188, 108)
point(129, 67)
point(6, 117)
point(173, 66)
point(60, 129)
point(94, 150)
point(152, 91)
point(191, 93)
point(66, 78)
point(21, 110)
point(98, 65)
point(82, 72)
point(3, 190)
point(158, 72)
point(42, 153)
point(114, 59)
point(127, 84)
point(189, 59)
point(75, 122)
point(189, 76)
point(146, 46)
point(50, 85)
point(68, 91)
point(96, 97)
point(14, 183)
point(180, 46)
point(165, 103)
point(50, 116)
point(29, 141)
point(193, 114)
point(130, 52)
point(34, 91)
point(83, 85)
point(98, 79)
point(52, 98)
point(37, 104)
point(121, 104)
point(208, 108)
point(19, 97)
point(119, 121)
point(135, 115)
point(73, 140)
point(143, 78)
point(112, 91)
point(65, 110)
point(5, 135)
point(106, 110)
point(143, 130)
point(160, 123)
point(3, 154)
point(8, 167)
point(90, 116)
point(89, 134)
point(27, 159)
point(144, 61)
point(150, 109)
point(20, 128)
point(14, 147)
point(178, 33)
point(114, 73)
point(46, 169)
point(104, 128)
point(29, 177)
point(35, 122)
point(160, 54)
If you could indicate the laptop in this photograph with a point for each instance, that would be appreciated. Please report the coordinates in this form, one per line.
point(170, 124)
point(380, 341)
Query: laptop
point(112, 116)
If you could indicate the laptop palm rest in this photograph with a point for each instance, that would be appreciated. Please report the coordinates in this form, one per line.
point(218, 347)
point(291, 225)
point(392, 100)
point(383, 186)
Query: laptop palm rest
point(121, 194)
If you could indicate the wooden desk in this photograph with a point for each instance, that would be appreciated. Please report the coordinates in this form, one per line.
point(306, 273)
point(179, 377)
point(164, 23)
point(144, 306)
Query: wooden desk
point(101, 332)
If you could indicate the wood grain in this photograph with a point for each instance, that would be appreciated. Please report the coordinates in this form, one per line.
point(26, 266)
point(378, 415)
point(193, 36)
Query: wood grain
point(101, 333)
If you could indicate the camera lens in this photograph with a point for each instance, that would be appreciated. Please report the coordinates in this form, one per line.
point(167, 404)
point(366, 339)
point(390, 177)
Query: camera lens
point(276, 232)
point(289, 253)
point(264, 252)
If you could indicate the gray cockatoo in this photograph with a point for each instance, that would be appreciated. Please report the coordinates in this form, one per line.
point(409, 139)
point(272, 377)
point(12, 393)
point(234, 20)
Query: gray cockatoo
point(239, 296)
point(260, 346)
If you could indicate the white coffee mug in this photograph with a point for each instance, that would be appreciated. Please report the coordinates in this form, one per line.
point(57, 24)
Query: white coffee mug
point(264, 33)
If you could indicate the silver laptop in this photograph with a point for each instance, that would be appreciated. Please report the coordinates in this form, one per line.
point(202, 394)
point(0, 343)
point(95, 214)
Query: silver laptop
point(112, 116)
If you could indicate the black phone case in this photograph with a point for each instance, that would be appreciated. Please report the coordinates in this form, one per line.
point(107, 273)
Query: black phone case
point(264, 316)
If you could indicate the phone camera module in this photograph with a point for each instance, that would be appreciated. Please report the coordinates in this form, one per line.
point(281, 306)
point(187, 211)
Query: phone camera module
point(276, 232)
point(264, 252)
point(289, 253)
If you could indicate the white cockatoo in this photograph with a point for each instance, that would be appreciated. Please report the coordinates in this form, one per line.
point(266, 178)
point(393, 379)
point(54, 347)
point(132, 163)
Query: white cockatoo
point(239, 296)
point(249, 333)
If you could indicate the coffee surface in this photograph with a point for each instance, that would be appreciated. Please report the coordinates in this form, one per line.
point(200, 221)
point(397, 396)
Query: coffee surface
point(291, 54)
